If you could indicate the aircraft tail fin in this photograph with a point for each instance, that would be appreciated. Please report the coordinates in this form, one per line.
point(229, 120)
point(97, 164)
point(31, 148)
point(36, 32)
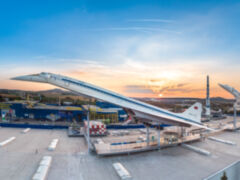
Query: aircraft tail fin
point(194, 112)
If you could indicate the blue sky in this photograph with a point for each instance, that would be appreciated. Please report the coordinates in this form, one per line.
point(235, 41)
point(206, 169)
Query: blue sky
point(172, 41)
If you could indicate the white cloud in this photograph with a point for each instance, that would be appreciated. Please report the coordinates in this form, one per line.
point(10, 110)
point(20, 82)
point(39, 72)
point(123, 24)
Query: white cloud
point(152, 20)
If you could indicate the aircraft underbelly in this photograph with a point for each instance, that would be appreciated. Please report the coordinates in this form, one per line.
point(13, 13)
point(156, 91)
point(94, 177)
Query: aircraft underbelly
point(144, 117)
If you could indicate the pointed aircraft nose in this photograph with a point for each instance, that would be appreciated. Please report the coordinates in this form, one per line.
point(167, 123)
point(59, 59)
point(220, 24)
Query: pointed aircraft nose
point(32, 78)
point(21, 78)
point(221, 85)
point(226, 87)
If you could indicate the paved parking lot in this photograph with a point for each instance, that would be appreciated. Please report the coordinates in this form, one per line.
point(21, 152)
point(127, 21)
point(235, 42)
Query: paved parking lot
point(20, 158)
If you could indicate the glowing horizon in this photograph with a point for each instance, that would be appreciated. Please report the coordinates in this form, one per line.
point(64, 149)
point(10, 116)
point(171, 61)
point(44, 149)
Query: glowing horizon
point(144, 86)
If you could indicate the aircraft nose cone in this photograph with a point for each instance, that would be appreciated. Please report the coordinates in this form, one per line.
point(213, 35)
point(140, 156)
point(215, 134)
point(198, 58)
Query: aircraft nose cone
point(221, 85)
point(33, 78)
point(21, 78)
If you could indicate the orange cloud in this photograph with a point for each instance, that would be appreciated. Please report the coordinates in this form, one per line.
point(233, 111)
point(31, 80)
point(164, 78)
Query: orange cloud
point(137, 79)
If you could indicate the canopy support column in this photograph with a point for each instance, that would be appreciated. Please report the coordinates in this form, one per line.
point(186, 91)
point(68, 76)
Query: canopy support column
point(235, 116)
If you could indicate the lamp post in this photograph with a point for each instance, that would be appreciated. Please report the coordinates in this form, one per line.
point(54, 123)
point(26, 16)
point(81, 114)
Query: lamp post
point(88, 130)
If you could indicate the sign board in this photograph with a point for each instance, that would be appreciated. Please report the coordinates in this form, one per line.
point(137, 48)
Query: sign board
point(3, 116)
point(4, 106)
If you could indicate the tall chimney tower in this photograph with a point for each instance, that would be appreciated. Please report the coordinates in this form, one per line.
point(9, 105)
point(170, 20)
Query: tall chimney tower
point(208, 110)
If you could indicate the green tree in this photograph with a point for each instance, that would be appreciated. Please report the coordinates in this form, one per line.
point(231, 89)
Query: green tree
point(224, 177)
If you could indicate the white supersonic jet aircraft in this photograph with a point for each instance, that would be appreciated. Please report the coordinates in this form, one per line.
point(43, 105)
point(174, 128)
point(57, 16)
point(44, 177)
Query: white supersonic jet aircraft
point(138, 110)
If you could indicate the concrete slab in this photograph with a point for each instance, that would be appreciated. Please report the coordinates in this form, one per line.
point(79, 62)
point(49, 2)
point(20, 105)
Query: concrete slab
point(19, 160)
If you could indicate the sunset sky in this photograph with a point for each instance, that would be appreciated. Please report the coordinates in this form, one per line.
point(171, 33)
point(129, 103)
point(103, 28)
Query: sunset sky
point(140, 48)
